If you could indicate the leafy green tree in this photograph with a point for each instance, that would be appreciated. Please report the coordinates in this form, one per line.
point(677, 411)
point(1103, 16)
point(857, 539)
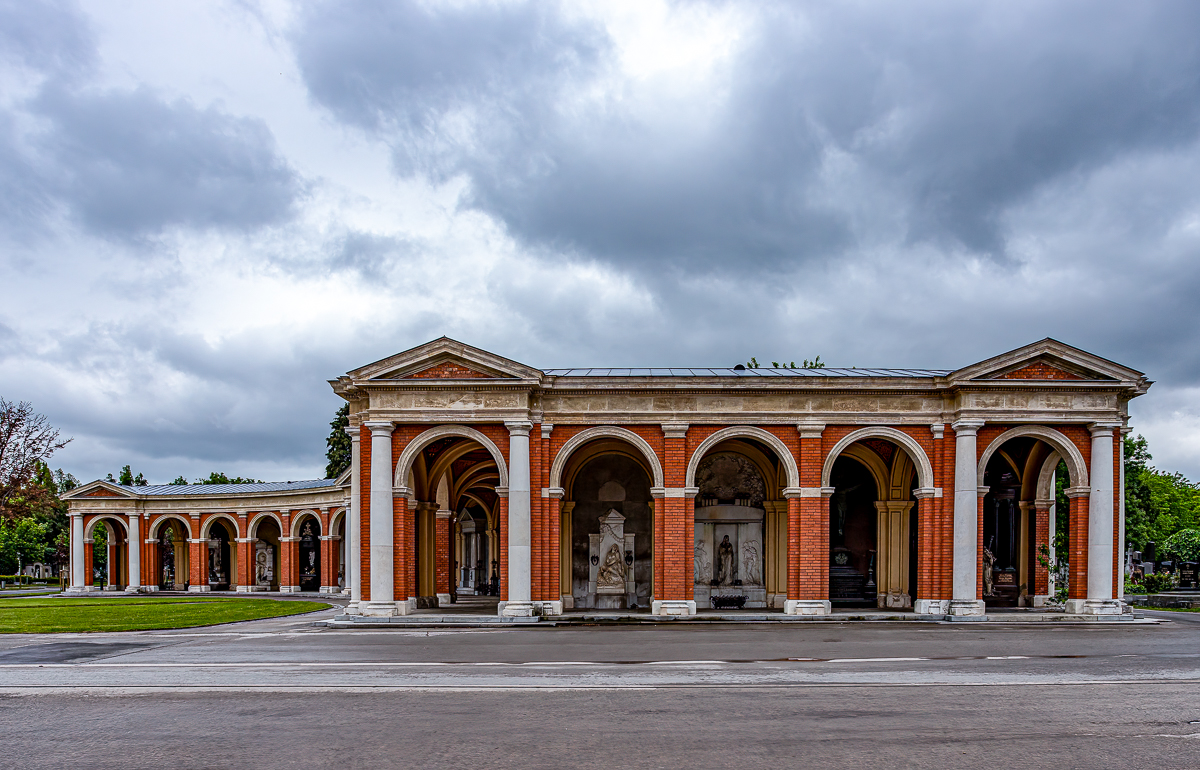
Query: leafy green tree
point(128, 479)
point(1184, 545)
point(22, 542)
point(221, 478)
point(180, 480)
point(26, 439)
point(339, 447)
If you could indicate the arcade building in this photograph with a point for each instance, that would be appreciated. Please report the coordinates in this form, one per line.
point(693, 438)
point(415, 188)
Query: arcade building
point(667, 491)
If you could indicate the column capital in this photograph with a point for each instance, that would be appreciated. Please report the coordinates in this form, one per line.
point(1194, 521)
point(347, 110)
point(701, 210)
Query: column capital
point(405, 492)
point(688, 492)
point(1073, 492)
point(924, 493)
point(1103, 428)
point(353, 433)
point(938, 429)
point(790, 492)
point(555, 492)
point(675, 429)
point(1043, 504)
point(380, 427)
point(809, 429)
point(981, 491)
point(441, 514)
point(966, 426)
point(547, 429)
point(502, 492)
point(518, 427)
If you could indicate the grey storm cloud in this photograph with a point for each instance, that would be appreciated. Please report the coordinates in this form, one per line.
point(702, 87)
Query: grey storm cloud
point(125, 162)
point(958, 110)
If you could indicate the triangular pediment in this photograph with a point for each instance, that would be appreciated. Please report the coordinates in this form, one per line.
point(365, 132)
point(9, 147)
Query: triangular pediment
point(1049, 361)
point(98, 489)
point(445, 359)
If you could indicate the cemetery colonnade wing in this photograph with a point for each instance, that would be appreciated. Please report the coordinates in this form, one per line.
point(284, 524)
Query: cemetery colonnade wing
point(479, 480)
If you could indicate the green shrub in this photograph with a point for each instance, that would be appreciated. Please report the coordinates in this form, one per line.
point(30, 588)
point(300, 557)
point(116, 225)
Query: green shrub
point(1184, 545)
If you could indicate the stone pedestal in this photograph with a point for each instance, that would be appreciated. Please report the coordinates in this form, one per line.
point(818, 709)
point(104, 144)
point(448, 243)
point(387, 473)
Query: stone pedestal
point(931, 606)
point(610, 554)
point(1093, 607)
point(522, 609)
point(806, 607)
point(967, 608)
point(674, 607)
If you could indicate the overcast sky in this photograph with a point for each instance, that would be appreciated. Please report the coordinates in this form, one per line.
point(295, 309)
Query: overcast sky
point(211, 208)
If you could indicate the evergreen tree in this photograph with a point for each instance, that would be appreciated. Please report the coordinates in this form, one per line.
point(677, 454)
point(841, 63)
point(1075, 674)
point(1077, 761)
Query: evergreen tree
point(339, 452)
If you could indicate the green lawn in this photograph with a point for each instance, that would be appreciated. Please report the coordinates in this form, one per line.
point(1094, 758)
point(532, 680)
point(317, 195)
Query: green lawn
point(39, 615)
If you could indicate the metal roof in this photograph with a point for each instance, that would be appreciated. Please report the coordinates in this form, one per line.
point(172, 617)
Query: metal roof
point(224, 489)
point(762, 371)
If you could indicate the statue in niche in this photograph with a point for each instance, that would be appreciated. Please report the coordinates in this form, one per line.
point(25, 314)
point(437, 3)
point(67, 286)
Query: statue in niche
point(725, 574)
point(839, 506)
point(989, 562)
point(750, 560)
point(612, 572)
point(700, 563)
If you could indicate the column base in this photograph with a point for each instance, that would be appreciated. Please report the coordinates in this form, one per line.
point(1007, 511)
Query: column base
point(329, 590)
point(443, 600)
point(133, 589)
point(79, 591)
point(243, 589)
point(386, 609)
point(1039, 600)
point(199, 589)
point(568, 602)
point(352, 608)
point(894, 601)
point(150, 589)
point(806, 607)
point(522, 609)
point(966, 608)
point(289, 589)
point(931, 607)
point(1093, 606)
point(550, 608)
point(673, 607)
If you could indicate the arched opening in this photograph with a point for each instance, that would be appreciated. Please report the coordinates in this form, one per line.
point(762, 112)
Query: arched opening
point(266, 554)
point(308, 550)
point(339, 551)
point(219, 556)
point(740, 532)
point(607, 520)
point(874, 522)
point(106, 549)
point(171, 566)
point(451, 470)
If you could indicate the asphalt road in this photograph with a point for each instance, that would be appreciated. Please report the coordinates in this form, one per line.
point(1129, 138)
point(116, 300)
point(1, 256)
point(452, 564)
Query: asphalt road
point(281, 693)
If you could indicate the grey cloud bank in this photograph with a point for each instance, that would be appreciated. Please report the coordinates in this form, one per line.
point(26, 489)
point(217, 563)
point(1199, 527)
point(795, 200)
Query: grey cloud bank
point(573, 184)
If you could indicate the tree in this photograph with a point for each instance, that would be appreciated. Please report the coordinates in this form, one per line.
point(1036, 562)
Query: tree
point(221, 478)
point(816, 363)
point(26, 439)
point(339, 452)
point(22, 541)
point(180, 480)
point(129, 480)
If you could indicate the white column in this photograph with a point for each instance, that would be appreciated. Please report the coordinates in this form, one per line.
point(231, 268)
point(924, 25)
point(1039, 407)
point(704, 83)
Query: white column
point(518, 604)
point(353, 524)
point(382, 566)
point(134, 565)
point(1121, 511)
point(966, 520)
point(78, 582)
point(1100, 523)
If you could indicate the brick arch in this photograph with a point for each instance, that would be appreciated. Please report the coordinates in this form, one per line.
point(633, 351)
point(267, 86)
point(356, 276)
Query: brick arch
point(605, 431)
point(1076, 466)
point(906, 442)
point(206, 527)
point(414, 447)
point(252, 527)
point(299, 516)
point(744, 431)
point(156, 525)
point(91, 526)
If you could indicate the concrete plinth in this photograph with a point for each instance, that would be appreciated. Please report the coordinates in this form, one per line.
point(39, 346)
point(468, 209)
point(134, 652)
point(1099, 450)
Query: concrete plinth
point(931, 606)
point(550, 608)
point(673, 607)
point(386, 609)
point(516, 609)
point(964, 608)
point(199, 589)
point(806, 607)
point(1093, 607)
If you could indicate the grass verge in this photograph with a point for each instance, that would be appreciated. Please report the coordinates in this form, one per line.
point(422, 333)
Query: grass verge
point(137, 613)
